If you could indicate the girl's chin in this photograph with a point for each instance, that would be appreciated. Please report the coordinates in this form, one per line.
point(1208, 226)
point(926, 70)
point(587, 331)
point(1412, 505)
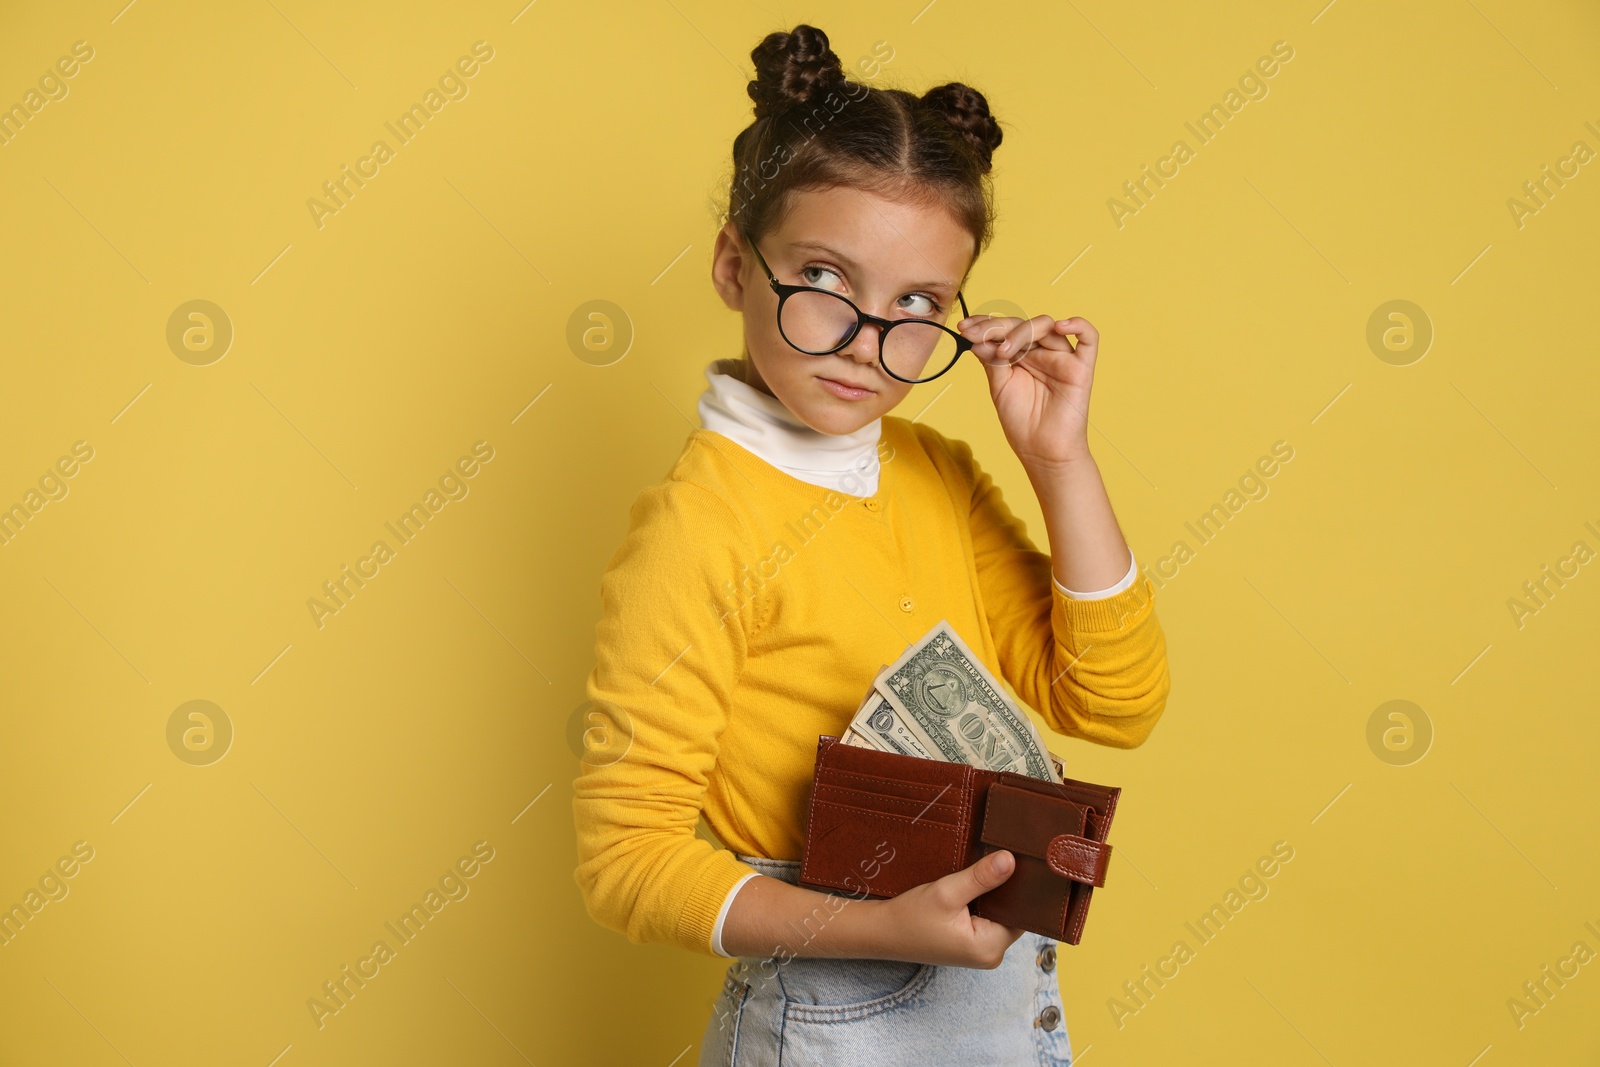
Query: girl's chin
point(838, 419)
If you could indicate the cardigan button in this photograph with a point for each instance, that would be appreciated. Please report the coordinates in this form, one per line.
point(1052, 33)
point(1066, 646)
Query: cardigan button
point(1050, 1018)
point(872, 505)
point(906, 603)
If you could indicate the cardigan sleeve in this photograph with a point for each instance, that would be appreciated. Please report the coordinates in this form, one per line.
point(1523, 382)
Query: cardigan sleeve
point(1094, 669)
point(669, 646)
point(1117, 587)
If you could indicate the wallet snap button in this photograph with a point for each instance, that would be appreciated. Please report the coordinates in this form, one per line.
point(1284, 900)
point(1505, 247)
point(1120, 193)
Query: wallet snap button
point(1047, 957)
point(1050, 1018)
point(906, 603)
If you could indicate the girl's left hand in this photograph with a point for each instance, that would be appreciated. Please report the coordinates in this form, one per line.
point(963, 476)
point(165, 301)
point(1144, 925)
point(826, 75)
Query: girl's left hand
point(1043, 398)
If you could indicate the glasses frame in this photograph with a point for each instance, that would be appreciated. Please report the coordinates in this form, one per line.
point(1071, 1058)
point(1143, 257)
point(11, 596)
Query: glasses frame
point(785, 291)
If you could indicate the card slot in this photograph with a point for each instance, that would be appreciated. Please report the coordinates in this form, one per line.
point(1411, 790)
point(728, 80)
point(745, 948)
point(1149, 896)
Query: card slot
point(871, 800)
point(902, 786)
point(938, 815)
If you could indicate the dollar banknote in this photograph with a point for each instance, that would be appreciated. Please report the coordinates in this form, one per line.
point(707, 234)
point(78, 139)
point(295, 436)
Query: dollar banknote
point(851, 737)
point(880, 723)
point(938, 701)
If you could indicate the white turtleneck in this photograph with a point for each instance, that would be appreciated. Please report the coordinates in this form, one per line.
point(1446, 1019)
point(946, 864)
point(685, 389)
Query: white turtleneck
point(847, 463)
point(762, 424)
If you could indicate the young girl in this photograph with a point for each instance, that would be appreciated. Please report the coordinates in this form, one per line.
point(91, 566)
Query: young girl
point(804, 538)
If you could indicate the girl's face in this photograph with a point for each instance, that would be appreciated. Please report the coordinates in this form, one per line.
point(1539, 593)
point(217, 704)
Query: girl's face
point(892, 258)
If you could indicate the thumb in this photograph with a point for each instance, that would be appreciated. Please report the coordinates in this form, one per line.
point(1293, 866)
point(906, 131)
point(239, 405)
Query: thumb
point(983, 876)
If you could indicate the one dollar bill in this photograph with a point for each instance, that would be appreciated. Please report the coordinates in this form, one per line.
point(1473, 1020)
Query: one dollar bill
point(941, 691)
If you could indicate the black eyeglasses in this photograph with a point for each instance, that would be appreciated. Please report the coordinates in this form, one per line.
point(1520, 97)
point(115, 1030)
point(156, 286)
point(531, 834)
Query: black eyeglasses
point(819, 322)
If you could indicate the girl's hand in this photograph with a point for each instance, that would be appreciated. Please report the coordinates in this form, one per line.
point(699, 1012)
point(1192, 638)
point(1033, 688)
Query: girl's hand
point(1039, 383)
point(930, 922)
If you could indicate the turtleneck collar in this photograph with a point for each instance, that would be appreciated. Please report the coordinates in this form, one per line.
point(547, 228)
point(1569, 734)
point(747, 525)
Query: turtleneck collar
point(761, 424)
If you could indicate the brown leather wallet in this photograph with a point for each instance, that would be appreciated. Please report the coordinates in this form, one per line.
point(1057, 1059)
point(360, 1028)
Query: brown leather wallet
point(880, 823)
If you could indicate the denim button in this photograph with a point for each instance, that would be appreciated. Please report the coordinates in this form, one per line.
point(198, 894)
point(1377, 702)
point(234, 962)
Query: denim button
point(1047, 957)
point(1050, 1018)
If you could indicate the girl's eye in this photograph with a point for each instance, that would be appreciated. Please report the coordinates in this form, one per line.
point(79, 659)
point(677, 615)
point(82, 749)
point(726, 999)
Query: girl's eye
point(921, 305)
point(817, 277)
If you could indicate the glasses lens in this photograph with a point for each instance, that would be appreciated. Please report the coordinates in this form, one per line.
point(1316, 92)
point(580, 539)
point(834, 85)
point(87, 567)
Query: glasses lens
point(816, 321)
point(918, 351)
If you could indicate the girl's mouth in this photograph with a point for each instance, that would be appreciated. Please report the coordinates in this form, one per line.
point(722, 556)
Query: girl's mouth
point(844, 391)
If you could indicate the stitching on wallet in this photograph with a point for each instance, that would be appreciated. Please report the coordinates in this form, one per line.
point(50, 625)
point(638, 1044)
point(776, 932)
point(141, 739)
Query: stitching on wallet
point(877, 798)
point(1066, 901)
point(964, 818)
point(871, 780)
point(1084, 855)
point(816, 777)
point(835, 773)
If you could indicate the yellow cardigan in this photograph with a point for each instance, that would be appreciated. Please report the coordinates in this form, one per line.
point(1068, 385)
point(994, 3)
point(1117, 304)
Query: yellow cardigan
point(746, 613)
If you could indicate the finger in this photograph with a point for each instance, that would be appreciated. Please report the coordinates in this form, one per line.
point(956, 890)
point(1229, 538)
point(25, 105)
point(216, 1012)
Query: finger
point(1012, 934)
point(1024, 336)
point(996, 938)
point(986, 332)
point(1083, 330)
point(1037, 332)
point(1055, 340)
point(1056, 337)
point(981, 877)
point(992, 332)
point(1021, 336)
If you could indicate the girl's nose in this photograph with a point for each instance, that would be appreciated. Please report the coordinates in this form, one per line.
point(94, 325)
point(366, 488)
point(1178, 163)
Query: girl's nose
point(863, 347)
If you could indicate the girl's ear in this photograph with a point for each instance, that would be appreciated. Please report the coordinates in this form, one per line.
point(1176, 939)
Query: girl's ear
point(730, 262)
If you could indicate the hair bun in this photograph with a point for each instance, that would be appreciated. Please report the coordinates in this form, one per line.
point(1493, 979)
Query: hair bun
point(793, 69)
point(966, 109)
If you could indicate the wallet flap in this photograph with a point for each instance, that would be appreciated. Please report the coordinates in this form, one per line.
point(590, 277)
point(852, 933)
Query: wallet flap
point(1079, 858)
point(1027, 822)
point(1101, 800)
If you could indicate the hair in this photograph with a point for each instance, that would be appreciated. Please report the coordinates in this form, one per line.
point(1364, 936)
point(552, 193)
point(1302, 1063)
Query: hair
point(815, 128)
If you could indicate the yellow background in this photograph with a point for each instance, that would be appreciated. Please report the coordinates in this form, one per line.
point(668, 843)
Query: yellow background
point(433, 711)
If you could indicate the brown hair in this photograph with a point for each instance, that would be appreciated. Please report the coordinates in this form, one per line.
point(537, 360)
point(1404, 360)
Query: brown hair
point(814, 128)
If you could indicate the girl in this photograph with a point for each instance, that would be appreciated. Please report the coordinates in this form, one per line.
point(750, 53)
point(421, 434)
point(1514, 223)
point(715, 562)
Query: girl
point(805, 537)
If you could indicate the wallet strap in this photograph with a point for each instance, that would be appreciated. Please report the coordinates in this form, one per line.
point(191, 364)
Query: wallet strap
point(1080, 858)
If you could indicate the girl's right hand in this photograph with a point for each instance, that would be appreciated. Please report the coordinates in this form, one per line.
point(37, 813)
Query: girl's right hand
point(930, 922)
